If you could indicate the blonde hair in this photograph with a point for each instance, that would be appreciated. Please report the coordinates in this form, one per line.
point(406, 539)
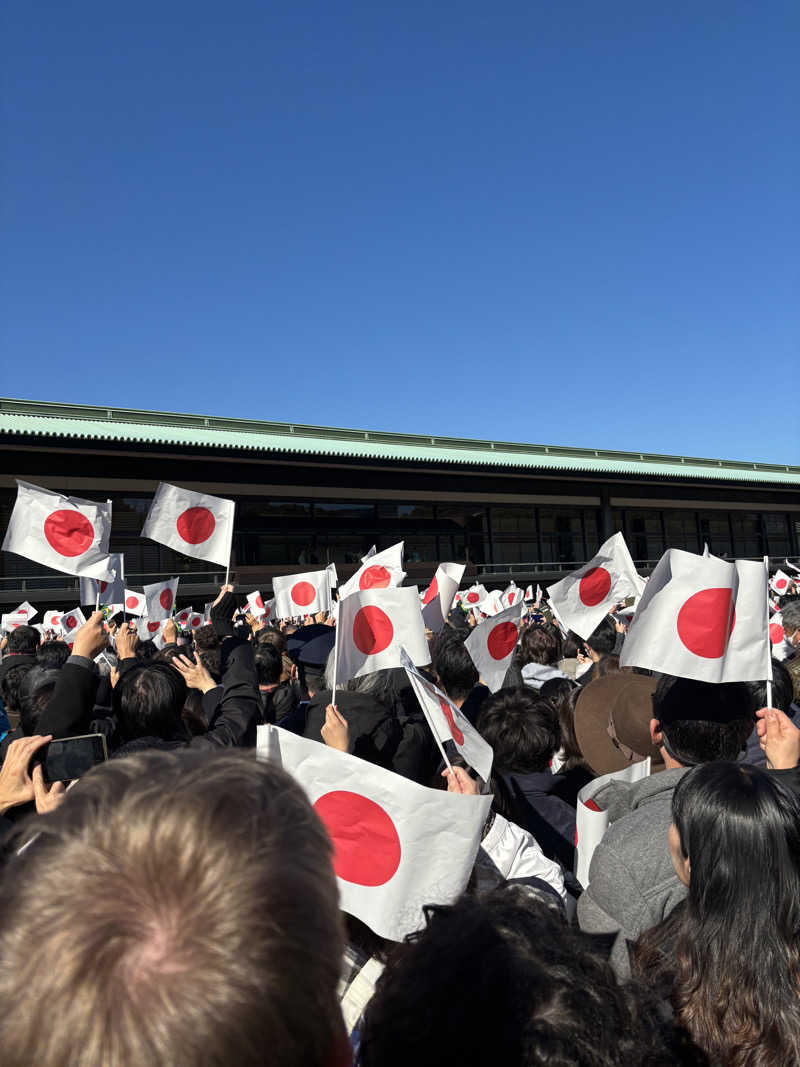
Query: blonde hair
point(179, 908)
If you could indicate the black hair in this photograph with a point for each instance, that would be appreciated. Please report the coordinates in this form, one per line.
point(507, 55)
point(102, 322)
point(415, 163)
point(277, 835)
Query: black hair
point(273, 636)
point(269, 663)
point(145, 651)
point(703, 721)
point(782, 691)
point(10, 686)
point(148, 701)
point(541, 994)
point(732, 949)
point(522, 728)
point(572, 646)
point(24, 640)
point(603, 639)
point(35, 694)
point(790, 613)
point(52, 654)
point(453, 665)
point(540, 643)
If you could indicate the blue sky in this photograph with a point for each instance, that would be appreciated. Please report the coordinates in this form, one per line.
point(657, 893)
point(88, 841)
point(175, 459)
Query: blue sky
point(573, 223)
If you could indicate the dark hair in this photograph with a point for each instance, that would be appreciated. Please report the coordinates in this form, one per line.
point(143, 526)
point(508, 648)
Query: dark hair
point(269, 664)
point(24, 640)
point(603, 639)
point(541, 994)
point(205, 638)
point(10, 686)
point(782, 691)
point(145, 651)
point(34, 696)
point(606, 665)
point(271, 635)
point(453, 665)
point(703, 721)
point(734, 945)
point(790, 614)
point(522, 728)
point(52, 654)
point(563, 695)
point(148, 701)
point(540, 643)
point(572, 646)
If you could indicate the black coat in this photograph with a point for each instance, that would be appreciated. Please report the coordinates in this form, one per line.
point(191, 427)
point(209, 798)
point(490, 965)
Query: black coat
point(375, 730)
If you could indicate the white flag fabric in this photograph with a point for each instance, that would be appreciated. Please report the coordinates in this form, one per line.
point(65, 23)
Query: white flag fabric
point(591, 821)
point(491, 645)
point(398, 846)
point(781, 648)
point(492, 603)
point(27, 610)
point(112, 590)
point(448, 724)
point(160, 598)
point(65, 533)
point(440, 594)
point(150, 629)
point(52, 620)
point(474, 595)
point(183, 617)
point(255, 604)
point(539, 595)
point(780, 583)
point(301, 594)
point(196, 524)
point(378, 570)
point(791, 566)
point(374, 625)
point(134, 603)
point(529, 594)
point(12, 620)
point(703, 618)
point(587, 594)
point(510, 595)
point(72, 620)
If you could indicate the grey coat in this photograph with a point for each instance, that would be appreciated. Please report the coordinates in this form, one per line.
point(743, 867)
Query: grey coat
point(632, 883)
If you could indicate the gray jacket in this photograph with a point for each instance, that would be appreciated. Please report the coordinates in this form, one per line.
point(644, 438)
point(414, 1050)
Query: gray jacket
point(632, 883)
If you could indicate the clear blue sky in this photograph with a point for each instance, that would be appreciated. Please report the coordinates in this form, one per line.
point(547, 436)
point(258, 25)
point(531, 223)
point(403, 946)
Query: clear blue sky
point(570, 223)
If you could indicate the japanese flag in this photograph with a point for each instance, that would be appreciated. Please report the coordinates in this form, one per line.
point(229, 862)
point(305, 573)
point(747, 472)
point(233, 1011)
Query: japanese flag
point(702, 617)
point(183, 617)
point(63, 532)
point(529, 594)
point(539, 595)
point(302, 594)
point(474, 595)
point(492, 604)
point(439, 596)
point(491, 645)
point(12, 620)
point(374, 626)
point(134, 603)
point(111, 589)
point(27, 610)
point(71, 621)
point(781, 648)
point(586, 596)
point(398, 846)
point(151, 629)
point(591, 821)
point(52, 620)
point(256, 605)
point(510, 595)
point(378, 570)
point(196, 620)
point(780, 583)
point(448, 724)
point(195, 524)
point(160, 598)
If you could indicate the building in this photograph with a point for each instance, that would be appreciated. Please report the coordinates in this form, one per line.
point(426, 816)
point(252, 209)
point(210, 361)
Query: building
point(307, 495)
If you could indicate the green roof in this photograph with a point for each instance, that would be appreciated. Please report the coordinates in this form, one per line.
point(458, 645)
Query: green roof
point(82, 422)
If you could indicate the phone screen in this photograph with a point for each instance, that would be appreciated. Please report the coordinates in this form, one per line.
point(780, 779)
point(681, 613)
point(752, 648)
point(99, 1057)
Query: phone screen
point(72, 757)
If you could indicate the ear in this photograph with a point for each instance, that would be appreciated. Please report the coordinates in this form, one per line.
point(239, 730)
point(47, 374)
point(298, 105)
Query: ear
point(655, 732)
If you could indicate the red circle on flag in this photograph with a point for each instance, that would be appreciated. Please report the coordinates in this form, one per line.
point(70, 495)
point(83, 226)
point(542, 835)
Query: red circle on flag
point(472, 598)
point(132, 602)
point(103, 587)
point(375, 577)
point(68, 532)
point(776, 633)
point(165, 599)
point(432, 591)
point(259, 601)
point(196, 525)
point(780, 583)
point(303, 593)
point(372, 630)
point(153, 626)
point(502, 640)
point(447, 711)
point(594, 586)
point(70, 622)
point(366, 844)
point(706, 621)
point(23, 611)
point(56, 620)
point(196, 620)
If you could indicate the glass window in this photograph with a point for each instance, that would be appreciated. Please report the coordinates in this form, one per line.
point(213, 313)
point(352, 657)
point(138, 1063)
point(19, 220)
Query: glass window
point(715, 531)
point(591, 532)
point(405, 511)
point(561, 535)
point(349, 509)
point(463, 532)
point(777, 531)
point(513, 520)
point(747, 539)
point(644, 536)
point(681, 529)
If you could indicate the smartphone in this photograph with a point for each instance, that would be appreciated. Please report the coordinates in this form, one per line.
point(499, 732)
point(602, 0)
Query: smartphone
point(72, 757)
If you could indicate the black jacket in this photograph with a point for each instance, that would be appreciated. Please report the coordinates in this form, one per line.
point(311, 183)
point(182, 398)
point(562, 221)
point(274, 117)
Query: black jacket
point(532, 801)
point(375, 731)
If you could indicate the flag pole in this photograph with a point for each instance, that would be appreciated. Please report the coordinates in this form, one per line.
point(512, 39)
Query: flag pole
point(230, 546)
point(122, 574)
point(769, 648)
point(97, 596)
point(335, 644)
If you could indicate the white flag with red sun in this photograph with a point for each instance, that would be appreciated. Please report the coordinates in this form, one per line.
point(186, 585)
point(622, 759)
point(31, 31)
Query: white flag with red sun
point(491, 645)
point(301, 594)
point(374, 626)
point(195, 524)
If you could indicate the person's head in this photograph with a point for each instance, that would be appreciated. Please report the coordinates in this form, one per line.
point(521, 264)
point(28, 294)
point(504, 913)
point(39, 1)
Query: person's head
point(782, 691)
point(145, 651)
point(271, 635)
point(541, 994)
point(522, 728)
point(699, 722)
point(563, 695)
point(208, 647)
point(10, 687)
point(35, 693)
point(541, 643)
point(269, 664)
point(187, 908)
point(606, 665)
point(148, 701)
point(790, 615)
point(23, 641)
point(603, 639)
point(453, 665)
point(52, 654)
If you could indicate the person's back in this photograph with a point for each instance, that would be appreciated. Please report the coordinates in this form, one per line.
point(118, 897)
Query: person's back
point(178, 908)
point(632, 884)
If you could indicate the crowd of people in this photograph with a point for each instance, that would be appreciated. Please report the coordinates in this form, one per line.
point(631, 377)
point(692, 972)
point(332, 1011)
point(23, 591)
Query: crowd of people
point(178, 903)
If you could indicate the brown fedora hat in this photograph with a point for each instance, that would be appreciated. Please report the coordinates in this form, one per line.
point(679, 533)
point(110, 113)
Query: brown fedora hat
point(612, 722)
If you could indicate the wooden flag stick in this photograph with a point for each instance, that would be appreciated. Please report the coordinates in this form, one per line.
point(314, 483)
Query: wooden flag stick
point(769, 645)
